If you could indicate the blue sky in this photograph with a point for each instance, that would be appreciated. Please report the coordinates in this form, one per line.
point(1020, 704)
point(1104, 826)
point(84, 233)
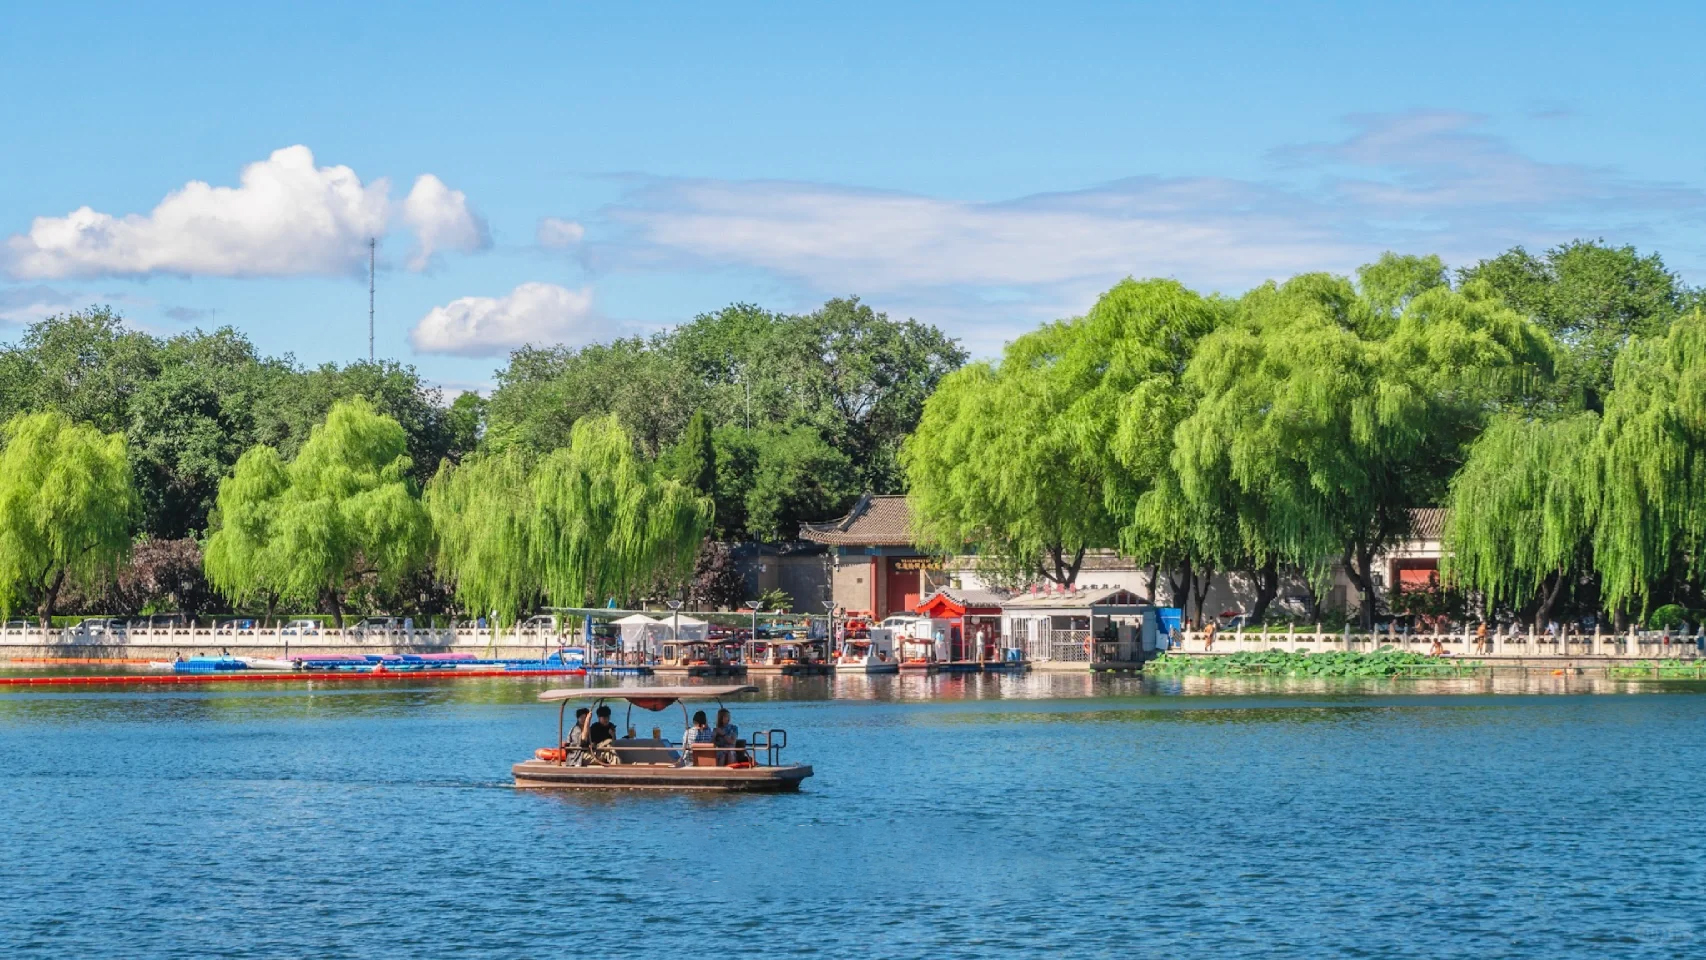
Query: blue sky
point(568, 173)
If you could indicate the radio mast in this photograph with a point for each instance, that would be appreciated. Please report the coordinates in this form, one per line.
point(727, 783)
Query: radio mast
point(372, 246)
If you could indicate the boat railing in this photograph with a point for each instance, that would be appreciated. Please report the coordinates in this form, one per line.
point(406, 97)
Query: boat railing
point(766, 740)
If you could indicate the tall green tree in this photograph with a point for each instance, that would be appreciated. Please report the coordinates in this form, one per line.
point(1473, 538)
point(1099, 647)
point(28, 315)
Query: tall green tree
point(1523, 510)
point(482, 513)
point(543, 393)
point(695, 457)
point(1593, 298)
point(1651, 461)
point(342, 509)
point(1045, 457)
point(66, 507)
point(583, 524)
point(1337, 429)
point(86, 365)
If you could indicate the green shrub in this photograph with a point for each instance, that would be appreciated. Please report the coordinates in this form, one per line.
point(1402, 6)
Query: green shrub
point(1671, 615)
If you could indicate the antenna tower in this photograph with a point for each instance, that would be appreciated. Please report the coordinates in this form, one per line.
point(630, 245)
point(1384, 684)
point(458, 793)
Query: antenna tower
point(372, 246)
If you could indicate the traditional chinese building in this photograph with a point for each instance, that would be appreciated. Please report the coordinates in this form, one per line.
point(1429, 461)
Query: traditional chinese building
point(968, 614)
point(874, 564)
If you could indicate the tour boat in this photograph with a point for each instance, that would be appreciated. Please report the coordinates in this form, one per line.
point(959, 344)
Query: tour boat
point(867, 655)
point(653, 763)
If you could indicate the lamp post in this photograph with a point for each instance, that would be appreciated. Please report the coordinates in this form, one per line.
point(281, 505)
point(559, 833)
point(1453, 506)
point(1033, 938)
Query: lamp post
point(829, 631)
point(675, 625)
point(752, 637)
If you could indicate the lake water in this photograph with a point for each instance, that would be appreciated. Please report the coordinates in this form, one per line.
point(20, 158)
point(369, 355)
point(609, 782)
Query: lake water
point(950, 817)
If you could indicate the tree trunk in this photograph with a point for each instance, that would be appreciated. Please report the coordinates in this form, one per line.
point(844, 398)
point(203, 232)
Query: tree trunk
point(1267, 588)
point(1154, 571)
point(49, 599)
point(1200, 589)
point(1063, 572)
point(1359, 563)
point(1181, 595)
point(1549, 599)
point(337, 608)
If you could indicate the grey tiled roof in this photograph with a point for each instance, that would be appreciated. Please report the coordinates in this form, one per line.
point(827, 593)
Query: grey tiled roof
point(873, 522)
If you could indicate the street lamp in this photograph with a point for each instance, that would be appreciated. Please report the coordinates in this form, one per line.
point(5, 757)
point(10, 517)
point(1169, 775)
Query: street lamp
point(746, 648)
point(829, 632)
point(675, 627)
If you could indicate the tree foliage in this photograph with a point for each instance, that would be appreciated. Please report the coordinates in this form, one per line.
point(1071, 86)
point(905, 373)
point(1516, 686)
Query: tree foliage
point(1337, 418)
point(1523, 508)
point(342, 509)
point(66, 507)
point(586, 523)
point(1593, 298)
point(1036, 461)
point(1651, 458)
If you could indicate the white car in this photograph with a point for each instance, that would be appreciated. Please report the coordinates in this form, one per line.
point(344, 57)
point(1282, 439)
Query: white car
point(300, 628)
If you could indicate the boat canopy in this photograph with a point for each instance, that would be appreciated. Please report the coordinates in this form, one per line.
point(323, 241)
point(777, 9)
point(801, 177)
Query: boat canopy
point(651, 698)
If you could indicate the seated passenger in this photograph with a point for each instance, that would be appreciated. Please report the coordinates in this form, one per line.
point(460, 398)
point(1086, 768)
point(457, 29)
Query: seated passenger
point(577, 733)
point(726, 734)
point(699, 732)
point(602, 731)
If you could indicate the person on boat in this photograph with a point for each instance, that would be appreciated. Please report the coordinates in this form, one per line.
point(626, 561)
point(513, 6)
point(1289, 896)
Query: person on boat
point(577, 733)
point(602, 730)
point(601, 738)
point(726, 734)
point(698, 732)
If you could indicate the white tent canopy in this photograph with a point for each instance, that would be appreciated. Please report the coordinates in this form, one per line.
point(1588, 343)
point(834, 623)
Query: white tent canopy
point(691, 628)
point(641, 633)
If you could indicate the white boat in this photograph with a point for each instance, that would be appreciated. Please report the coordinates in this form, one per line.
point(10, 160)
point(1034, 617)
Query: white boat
point(270, 663)
point(873, 654)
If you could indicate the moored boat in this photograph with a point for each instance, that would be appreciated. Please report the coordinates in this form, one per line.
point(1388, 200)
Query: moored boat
point(867, 655)
point(654, 763)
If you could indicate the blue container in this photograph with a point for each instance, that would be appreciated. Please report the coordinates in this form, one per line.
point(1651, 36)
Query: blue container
point(1172, 618)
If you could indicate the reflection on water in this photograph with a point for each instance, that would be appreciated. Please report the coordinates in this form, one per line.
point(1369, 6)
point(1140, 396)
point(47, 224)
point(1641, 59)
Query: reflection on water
point(953, 816)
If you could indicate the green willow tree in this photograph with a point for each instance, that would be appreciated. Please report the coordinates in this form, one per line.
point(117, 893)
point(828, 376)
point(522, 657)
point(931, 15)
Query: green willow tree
point(1338, 414)
point(1651, 454)
point(344, 509)
point(585, 523)
point(66, 508)
point(1522, 511)
point(1037, 461)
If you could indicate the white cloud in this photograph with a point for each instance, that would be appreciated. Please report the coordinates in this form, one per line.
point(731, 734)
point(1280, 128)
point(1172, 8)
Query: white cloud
point(441, 220)
point(35, 302)
point(533, 313)
point(287, 217)
point(557, 234)
point(1426, 181)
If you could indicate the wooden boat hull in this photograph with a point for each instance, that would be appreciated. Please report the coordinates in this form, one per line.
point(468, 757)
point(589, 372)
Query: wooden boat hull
point(541, 774)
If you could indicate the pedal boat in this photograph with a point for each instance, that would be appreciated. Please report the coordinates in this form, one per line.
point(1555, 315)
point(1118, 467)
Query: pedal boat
point(635, 763)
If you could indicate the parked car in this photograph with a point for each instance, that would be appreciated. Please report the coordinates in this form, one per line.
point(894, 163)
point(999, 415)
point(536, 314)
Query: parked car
point(300, 628)
point(234, 626)
point(101, 627)
point(378, 625)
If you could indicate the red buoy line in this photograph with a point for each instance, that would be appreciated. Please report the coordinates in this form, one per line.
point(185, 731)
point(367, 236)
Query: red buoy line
point(169, 678)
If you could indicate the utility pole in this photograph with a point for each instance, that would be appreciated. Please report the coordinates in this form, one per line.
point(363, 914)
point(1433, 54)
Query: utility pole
point(372, 249)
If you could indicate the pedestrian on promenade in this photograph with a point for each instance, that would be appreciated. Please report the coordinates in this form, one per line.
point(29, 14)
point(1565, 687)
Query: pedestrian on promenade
point(1481, 644)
